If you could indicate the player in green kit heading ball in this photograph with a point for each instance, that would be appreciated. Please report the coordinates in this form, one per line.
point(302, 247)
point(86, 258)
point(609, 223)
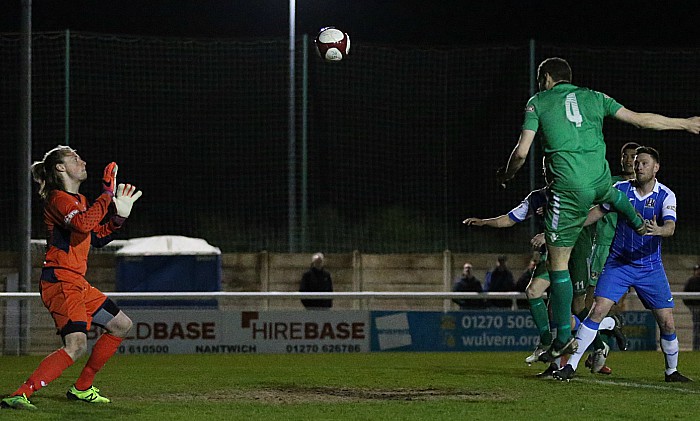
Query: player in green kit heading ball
point(570, 119)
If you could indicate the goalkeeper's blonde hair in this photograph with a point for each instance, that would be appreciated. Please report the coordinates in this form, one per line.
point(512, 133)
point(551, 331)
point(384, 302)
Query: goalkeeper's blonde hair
point(44, 171)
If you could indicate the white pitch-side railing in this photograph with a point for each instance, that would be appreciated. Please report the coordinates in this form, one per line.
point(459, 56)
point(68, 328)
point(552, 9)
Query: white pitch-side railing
point(357, 295)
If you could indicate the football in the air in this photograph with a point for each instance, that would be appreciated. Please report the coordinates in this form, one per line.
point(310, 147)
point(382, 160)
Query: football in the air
point(332, 44)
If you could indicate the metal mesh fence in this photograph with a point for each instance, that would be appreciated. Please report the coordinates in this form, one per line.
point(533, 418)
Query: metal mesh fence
point(401, 143)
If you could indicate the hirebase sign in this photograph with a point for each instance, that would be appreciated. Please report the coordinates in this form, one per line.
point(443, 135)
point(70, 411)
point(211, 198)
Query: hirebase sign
point(245, 332)
point(213, 331)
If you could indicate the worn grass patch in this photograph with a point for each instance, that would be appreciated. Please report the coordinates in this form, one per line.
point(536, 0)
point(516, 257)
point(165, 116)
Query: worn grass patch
point(301, 395)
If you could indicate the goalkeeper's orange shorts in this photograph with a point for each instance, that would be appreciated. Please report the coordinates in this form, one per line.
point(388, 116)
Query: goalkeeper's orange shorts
point(70, 299)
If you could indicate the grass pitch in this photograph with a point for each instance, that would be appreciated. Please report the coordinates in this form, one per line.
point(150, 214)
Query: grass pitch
point(375, 386)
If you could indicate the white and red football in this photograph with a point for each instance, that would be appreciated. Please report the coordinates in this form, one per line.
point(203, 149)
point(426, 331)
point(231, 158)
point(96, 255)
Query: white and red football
point(332, 44)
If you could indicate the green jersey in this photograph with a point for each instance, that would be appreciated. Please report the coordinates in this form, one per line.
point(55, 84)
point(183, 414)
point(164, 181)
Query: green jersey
point(605, 227)
point(570, 119)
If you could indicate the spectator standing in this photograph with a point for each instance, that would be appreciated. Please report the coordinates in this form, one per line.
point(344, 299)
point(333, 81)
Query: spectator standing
point(467, 282)
point(693, 285)
point(317, 279)
point(501, 281)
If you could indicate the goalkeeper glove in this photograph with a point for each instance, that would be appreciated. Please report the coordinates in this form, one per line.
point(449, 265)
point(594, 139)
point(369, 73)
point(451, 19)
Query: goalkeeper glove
point(109, 179)
point(124, 199)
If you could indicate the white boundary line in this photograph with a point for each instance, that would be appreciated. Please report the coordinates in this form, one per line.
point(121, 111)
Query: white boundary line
point(636, 385)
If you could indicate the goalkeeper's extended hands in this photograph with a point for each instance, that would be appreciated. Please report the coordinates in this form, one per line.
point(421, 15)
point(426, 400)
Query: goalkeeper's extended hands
point(109, 178)
point(124, 199)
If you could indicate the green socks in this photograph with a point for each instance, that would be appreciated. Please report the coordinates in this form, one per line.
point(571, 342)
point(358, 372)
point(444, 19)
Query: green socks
point(540, 315)
point(622, 205)
point(562, 292)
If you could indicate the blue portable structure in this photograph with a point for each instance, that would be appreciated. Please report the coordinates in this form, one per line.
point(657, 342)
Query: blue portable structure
point(168, 263)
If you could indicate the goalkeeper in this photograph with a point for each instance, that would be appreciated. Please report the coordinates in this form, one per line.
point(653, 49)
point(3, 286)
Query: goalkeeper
point(73, 226)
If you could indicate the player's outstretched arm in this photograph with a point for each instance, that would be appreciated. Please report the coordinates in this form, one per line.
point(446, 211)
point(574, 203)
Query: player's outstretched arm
point(657, 121)
point(517, 157)
point(502, 221)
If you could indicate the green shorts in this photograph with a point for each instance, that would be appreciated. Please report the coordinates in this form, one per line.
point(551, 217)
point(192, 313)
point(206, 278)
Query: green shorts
point(579, 260)
point(567, 211)
point(599, 255)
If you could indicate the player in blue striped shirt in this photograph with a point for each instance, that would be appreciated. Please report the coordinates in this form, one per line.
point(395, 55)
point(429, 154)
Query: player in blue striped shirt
point(635, 261)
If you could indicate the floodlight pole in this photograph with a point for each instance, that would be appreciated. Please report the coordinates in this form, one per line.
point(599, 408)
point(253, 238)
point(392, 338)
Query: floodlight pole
point(531, 155)
point(304, 142)
point(291, 152)
point(25, 187)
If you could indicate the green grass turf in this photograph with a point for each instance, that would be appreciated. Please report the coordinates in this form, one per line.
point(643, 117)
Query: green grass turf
point(375, 386)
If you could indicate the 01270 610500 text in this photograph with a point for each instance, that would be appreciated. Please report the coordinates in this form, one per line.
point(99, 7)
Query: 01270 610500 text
point(143, 349)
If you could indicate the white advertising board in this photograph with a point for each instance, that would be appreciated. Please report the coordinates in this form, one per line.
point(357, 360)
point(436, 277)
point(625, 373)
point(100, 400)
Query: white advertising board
point(184, 331)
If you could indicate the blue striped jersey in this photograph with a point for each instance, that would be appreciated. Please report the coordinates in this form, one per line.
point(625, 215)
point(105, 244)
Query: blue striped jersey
point(628, 246)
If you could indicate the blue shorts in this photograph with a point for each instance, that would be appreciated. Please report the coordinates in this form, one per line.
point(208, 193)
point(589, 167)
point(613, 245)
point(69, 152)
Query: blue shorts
point(651, 284)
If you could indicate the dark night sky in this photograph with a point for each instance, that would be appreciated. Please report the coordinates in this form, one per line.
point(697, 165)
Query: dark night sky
point(405, 22)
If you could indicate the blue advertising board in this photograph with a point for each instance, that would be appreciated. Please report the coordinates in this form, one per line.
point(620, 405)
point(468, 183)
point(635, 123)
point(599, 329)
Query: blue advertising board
point(417, 331)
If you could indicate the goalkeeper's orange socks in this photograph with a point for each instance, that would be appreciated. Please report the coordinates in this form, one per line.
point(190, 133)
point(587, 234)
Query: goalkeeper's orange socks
point(49, 370)
point(55, 364)
point(103, 350)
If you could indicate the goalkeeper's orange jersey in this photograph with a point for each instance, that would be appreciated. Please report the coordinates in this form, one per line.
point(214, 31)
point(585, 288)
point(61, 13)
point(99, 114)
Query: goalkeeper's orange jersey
point(72, 226)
